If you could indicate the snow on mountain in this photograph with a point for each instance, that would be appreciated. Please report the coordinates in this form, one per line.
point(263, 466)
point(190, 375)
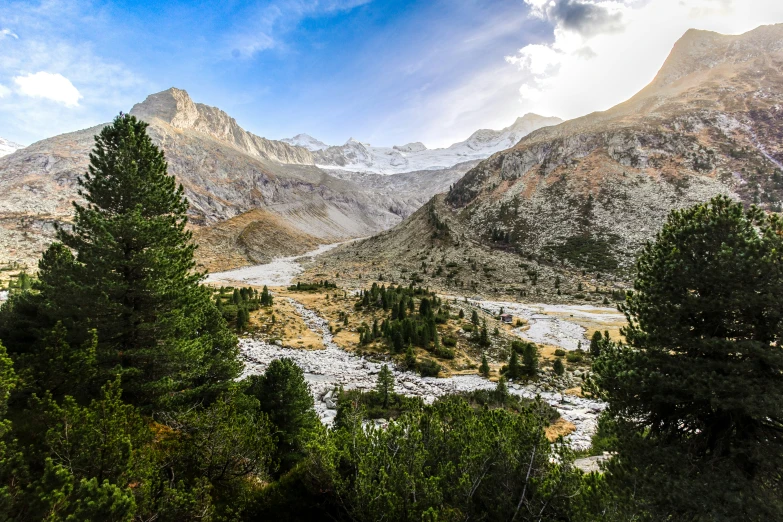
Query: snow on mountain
point(357, 156)
point(306, 141)
point(7, 147)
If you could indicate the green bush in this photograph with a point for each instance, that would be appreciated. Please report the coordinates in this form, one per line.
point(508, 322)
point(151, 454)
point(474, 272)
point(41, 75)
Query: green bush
point(429, 368)
point(560, 352)
point(449, 341)
point(575, 356)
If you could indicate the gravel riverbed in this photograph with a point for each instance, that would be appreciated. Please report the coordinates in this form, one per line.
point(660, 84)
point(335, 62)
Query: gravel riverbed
point(332, 367)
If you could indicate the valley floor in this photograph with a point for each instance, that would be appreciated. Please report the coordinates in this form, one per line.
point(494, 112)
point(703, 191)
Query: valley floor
point(306, 327)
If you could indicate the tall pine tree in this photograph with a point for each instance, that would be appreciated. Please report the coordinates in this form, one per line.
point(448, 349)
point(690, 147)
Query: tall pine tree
point(132, 276)
point(697, 394)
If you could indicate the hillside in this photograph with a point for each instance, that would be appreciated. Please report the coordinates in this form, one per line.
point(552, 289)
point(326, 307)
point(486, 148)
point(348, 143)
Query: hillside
point(229, 174)
point(564, 212)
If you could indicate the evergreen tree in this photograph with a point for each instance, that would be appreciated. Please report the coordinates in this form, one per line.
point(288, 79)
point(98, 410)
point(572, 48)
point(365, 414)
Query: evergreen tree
point(530, 360)
point(484, 368)
point(132, 278)
point(285, 397)
point(558, 367)
point(385, 385)
point(410, 358)
point(474, 318)
point(595, 344)
point(697, 395)
point(514, 370)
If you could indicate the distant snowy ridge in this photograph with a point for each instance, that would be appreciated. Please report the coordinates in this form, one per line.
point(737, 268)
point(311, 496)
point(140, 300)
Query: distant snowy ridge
point(306, 141)
point(363, 157)
point(7, 147)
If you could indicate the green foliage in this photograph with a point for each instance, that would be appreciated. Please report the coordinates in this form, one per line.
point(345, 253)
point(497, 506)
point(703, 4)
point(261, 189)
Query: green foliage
point(530, 357)
point(558, 367)
point(385, 385)
point(575, 356)
point(285, 397)
point(484, 368)
point(696, 395)
point(312, 287)
point(588, 251)
point(559, 352)
point(595, 344)
point(132, 279)
point(373, 405)
point(448, 461)
point(428, 368)
point(404, 326)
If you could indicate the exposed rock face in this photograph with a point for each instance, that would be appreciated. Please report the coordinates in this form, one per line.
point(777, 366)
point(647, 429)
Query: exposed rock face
point(175, 108)
point(577, 201)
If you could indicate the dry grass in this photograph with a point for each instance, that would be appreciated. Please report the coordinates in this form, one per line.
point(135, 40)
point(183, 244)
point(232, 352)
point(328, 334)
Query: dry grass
point(559, 428)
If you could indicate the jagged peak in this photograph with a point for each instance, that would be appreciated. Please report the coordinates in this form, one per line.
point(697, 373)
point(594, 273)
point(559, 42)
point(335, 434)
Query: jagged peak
point(173, 106)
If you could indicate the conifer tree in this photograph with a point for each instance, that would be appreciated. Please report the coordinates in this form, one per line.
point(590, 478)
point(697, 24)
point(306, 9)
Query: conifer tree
point(484, 368)
point(285, 397)
point(133, 276)
point(697, 395)
point(558, 367)
point(385, 385)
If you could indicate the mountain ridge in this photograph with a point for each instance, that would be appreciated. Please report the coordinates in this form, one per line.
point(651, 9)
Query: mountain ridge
point(563, 213)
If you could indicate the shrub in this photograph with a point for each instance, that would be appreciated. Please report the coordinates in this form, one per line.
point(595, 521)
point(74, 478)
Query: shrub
point(429, 368)
point(449, 341)
point(560, 352)
point(575, 356)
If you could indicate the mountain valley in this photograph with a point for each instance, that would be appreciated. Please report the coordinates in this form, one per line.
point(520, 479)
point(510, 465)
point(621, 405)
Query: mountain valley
point(563, 213)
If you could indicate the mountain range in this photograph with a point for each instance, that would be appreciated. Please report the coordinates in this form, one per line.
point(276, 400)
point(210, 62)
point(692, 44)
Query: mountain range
point(251, 198)
point(563, 213)
point(363, 157)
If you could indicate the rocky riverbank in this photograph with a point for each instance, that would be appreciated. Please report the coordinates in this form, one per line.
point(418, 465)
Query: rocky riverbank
point(332, 367)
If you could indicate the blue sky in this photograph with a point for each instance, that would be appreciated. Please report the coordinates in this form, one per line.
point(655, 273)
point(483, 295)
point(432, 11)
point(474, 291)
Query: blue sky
point(387, 72)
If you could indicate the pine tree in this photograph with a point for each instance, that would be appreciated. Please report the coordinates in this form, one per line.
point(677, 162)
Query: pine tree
point(514, 370)
point(285, 397)
point(133, 277)
point(595, 344)
point(410, 358)
point(530, 360)
point(696, 396)
point(385, 385)
point(484, 368)
point(558, 367)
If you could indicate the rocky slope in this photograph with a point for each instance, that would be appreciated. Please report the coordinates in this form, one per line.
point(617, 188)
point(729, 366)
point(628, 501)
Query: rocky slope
point(228, 175)
point(564, 212)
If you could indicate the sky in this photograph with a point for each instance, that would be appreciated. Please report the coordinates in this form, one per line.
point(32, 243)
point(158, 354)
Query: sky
point(383, 72)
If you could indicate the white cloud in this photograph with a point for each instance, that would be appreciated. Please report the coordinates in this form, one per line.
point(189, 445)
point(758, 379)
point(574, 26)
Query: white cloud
point(604, 52)
point(4, 91)
point(7, 32)
point(51, 86)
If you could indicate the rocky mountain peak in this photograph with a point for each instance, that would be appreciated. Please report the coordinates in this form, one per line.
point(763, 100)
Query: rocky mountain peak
point(173, 106)
point(699, 50)
point(411, 147)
